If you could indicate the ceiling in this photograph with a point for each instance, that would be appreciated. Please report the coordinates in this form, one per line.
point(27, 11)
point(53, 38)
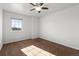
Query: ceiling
point(24, 8)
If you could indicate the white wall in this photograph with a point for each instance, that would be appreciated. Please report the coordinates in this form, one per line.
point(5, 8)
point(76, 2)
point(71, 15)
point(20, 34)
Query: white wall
point(1, 18)
point(12, 36)
point(35, 27)
point(62, 27)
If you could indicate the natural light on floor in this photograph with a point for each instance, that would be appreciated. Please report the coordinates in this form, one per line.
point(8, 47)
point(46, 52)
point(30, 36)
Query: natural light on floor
point(35, 51)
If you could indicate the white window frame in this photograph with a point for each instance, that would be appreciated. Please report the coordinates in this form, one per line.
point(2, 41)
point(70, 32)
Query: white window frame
point(16, 24)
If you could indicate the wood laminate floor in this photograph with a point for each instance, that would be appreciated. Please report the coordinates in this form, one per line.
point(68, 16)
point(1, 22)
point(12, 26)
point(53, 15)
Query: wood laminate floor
point(14, 49)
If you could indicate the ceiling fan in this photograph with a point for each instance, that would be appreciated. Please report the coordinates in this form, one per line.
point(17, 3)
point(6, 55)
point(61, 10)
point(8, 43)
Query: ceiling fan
point(38, 7)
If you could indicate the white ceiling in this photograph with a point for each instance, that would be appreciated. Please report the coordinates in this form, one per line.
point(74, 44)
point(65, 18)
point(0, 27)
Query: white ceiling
point(24, 8)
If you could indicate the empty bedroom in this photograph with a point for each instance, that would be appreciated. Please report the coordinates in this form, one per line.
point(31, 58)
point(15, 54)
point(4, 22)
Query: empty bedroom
point(39, 29)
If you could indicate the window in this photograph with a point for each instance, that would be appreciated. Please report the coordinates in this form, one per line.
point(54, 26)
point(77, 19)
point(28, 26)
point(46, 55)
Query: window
point(16, 24)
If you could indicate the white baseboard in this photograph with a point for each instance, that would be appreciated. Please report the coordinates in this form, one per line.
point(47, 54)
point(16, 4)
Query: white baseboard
point(46, 38)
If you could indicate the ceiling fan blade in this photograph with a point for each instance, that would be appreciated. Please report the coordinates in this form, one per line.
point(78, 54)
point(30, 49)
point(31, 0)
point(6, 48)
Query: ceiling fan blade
point(44, 8)
point(41, 4)
point(32, 9)
point(39, 11)
point(32, 4)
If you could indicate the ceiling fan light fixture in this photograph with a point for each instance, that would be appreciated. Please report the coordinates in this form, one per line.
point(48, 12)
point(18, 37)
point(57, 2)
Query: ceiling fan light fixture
point(38, 8)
